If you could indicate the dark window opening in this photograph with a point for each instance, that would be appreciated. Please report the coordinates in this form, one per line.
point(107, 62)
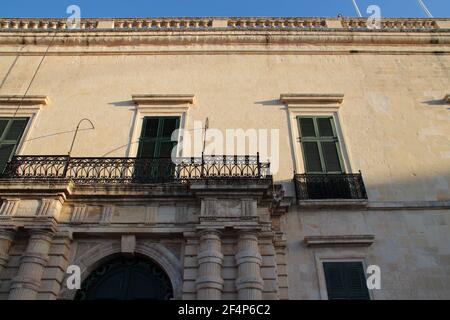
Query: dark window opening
point(345, 281)
point(154, 163)
point(11, 131)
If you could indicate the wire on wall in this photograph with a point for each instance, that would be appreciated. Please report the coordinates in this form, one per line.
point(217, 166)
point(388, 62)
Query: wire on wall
point(34, 75)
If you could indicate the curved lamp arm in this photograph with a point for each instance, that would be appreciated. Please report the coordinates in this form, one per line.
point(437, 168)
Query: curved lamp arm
point(76, 132)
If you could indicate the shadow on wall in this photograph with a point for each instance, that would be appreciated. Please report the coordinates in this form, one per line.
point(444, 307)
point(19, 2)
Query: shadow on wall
point(56, 134)
point(125, 103)
point(275, 102)
point(414, 188)
point(439, 102)
point(127, 147)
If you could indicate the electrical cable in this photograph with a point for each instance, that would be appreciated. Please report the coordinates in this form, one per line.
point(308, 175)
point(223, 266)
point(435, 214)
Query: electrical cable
point(34, 75)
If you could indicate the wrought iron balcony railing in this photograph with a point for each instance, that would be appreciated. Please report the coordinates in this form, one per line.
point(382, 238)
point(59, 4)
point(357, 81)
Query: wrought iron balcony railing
point(329, 186)
point(135, 170)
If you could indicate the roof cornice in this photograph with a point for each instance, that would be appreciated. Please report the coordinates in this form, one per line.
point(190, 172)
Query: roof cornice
point(229, 23)
point(217, 37)
point(432, 33)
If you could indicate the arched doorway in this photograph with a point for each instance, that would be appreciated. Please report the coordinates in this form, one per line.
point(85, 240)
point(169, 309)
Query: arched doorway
point(126, 278)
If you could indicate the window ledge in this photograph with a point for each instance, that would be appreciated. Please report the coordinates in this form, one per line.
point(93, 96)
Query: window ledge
point(333, 203)
point(341, 240)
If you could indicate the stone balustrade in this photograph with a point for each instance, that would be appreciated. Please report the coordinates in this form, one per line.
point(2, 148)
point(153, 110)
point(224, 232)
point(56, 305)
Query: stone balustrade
point(44, 24)
point(163, 23)
point(392, 24)
point(297, 23)
point(277, 23)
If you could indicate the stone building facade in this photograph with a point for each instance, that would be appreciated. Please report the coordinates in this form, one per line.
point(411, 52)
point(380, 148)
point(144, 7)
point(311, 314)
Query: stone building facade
point(358, 174)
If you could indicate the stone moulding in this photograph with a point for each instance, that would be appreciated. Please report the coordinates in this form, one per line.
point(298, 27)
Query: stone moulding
point(141, 99)
point(339, 240)
point(333, 203)
point(24, 100)
point(224, 37)
point(102, 251)
point(312, 102)
point(9, 187)
point(298, 104)
point(311, 98)
point(223, 31)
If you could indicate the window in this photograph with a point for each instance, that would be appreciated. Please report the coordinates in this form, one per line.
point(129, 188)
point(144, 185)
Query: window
point(155, 148)
point(345, 280)
point(11, 131)
point(155, 140)
point(320, 145)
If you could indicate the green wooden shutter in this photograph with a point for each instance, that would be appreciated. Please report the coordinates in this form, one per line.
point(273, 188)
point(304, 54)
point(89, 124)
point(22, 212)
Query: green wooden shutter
point(11, 131)
point(320, 145)
point(345, 280)
point(155, 140)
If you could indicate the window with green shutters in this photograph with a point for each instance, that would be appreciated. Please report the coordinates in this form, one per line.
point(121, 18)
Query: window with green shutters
point(320, 145)
point(11, 131)
point(155, 140)
point(345, 280)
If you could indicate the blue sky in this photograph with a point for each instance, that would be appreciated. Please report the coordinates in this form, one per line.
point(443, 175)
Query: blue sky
point(198, 8)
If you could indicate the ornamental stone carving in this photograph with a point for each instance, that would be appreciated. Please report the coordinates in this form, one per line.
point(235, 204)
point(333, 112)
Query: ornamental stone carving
point(229, 208)
point(9, 207)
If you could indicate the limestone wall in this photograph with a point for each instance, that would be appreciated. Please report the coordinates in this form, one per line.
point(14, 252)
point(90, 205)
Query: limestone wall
point(410, 247)
point(394, 123)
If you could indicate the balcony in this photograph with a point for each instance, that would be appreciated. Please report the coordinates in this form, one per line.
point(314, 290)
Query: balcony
point(330, 187)
point(136, 170)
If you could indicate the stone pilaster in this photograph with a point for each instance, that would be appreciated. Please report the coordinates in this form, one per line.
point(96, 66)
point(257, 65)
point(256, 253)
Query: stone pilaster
point(6, 239)
point(27, 283)
point(55, 270)
point(209, 284)
point(249, 283)
point(190, 266)
point(280, 249)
